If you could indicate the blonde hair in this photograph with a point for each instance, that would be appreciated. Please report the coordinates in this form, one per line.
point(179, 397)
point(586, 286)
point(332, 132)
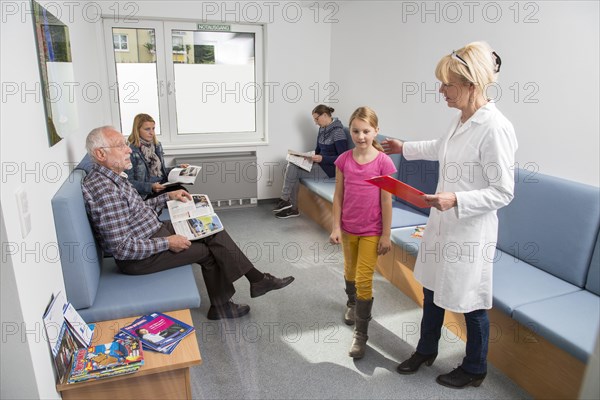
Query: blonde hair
point(138, 121)
point(368, 115)
point(476, 63)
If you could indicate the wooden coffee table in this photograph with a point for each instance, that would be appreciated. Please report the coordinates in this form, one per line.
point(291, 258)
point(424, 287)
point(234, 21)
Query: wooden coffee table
point(161, 377)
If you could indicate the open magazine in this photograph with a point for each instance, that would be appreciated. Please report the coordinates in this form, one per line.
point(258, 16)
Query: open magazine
point(194, 219)
point(183, 175)
point(302, 160)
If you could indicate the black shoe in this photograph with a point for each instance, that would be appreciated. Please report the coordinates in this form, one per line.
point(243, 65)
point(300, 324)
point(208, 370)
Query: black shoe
point(227, 310)
point(288, 213)
point(412, 365)
point(282, 205)
point(268, 283)
point(459, 378)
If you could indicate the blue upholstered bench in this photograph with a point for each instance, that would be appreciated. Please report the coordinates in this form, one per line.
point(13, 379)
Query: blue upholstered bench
point(547, 266)
point(93, 283)
point(548, 239)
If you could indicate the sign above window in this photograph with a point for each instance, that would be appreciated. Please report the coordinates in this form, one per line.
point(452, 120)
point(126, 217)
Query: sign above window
point(214, 27)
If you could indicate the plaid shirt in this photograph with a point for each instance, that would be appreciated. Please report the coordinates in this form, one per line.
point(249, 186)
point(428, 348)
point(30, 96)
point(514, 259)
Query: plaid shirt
point(123, 223)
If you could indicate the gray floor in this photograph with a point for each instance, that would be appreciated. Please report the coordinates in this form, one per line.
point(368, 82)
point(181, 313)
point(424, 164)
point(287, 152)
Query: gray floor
point(293, 344)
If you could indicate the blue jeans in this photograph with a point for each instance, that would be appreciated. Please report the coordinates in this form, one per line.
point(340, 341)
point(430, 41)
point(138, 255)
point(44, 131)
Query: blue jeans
point(478, 333)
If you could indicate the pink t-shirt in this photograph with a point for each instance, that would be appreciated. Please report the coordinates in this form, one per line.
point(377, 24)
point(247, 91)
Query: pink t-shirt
point(361, 209)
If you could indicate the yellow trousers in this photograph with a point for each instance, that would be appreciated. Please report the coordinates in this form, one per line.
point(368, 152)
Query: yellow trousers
point(360, 257)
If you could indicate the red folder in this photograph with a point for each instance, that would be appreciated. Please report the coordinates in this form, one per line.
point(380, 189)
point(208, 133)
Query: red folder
point(400, 189)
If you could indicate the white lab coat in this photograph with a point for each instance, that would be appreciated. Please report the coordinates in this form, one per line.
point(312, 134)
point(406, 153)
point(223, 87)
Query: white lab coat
point(457, 251)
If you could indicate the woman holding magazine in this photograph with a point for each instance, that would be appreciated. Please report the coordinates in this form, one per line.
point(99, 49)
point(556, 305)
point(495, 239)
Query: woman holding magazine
point(331, 142)
point(148, 172)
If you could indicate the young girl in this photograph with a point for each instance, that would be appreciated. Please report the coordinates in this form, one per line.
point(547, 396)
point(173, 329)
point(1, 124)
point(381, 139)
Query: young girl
point(362, 216)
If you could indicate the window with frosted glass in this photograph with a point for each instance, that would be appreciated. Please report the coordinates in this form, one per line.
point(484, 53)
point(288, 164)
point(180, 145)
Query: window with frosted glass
point(214, 75)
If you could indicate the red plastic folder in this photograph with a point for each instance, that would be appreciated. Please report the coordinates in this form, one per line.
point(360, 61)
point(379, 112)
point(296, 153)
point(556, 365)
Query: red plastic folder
point(400, 189)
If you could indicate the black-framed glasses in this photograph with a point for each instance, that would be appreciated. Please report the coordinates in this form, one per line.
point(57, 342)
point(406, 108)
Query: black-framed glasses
point(459, 58)
point(498, 61)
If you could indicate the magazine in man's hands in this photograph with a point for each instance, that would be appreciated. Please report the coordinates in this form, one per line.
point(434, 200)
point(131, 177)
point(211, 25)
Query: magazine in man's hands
point(194, 219)
point(183, 175)
point(302, 160)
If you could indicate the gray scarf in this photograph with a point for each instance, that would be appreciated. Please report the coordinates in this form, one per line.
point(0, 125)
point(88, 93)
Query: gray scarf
point(149, 152)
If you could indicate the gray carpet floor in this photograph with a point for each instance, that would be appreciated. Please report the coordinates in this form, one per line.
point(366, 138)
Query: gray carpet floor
point(293, 343)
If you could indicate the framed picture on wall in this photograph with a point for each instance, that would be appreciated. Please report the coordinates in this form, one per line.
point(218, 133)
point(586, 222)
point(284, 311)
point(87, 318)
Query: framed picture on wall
point(56, 73)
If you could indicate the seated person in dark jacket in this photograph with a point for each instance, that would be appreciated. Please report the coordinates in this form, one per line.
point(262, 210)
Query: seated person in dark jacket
point(148, 171)
point(331, 142)
point(128, 227)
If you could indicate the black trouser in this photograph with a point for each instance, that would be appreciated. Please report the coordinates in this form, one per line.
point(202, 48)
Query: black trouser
point(221, 260)
point(170, 188)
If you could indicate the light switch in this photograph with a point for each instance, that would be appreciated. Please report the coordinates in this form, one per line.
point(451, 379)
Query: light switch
point(24, 214)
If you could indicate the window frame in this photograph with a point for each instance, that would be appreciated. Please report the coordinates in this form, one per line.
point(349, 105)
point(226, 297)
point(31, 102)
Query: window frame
point(169, 137)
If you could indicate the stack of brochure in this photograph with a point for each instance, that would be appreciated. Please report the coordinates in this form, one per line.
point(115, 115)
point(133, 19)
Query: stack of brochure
point(66, 332)
point(157, 332)
point(123, 356)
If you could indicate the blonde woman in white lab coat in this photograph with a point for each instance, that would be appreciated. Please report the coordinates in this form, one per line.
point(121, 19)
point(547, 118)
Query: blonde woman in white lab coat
point(454, 263)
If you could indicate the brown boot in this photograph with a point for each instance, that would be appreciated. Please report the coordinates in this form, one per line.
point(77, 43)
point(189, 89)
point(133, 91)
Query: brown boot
point(351, 303)
point(363, 316)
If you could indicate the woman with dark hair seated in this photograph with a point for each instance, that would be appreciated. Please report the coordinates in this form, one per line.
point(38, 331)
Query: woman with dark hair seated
point(331, 142)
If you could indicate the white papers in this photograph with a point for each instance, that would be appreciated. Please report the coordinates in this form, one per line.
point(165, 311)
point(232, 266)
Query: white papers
point(54, 320)
point(302, 160)
point(82, 332)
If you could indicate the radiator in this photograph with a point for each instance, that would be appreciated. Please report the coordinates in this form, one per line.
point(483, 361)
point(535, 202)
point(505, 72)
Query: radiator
point(229, 179)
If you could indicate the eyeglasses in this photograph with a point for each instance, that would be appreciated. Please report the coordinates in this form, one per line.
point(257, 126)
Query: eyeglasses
point(459, 59)
point(121, 145)
point(497, 60)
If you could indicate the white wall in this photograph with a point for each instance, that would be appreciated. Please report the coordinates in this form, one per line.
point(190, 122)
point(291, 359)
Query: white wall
point(19, 368)
point(29, 163)
point(297, 56)
point(384, 55)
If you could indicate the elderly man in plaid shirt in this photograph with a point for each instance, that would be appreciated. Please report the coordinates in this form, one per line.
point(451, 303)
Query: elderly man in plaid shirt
point(128, 228)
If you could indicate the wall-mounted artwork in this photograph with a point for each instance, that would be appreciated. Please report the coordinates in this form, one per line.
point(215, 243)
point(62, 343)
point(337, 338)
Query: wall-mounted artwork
point(56, 74)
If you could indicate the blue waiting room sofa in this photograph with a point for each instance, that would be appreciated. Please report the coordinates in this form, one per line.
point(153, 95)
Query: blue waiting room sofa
point(93, 283)
point(546, 312)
